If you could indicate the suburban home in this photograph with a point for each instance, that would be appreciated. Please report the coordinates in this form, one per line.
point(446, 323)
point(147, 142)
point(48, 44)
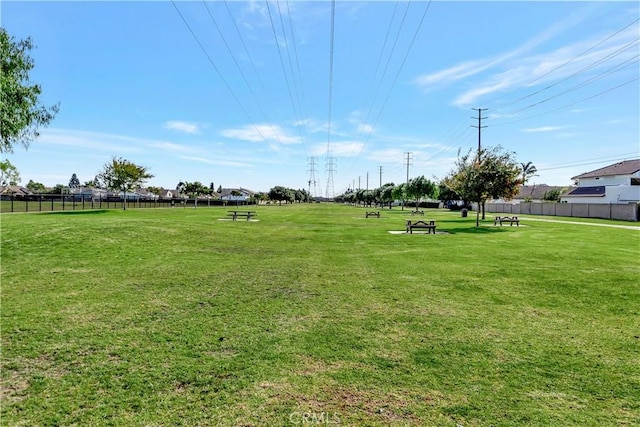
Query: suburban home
point(87, 193)
point(14, 190)
point(617, 184)
point(169, 194)
point(236, 194)
point(535, 193)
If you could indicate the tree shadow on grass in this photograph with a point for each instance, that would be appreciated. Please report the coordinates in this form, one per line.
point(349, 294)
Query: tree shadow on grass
point(79, 212)
point(477, 230)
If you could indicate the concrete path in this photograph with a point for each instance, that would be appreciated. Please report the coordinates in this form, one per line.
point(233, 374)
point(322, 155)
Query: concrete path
point(628, 227)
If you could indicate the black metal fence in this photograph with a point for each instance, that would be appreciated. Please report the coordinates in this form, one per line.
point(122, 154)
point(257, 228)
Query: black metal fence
point(72, 202)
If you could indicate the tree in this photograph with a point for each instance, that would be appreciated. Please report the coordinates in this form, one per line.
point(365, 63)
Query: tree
point(36, 187)
point(21, 112)
point(490, 173)
point(528, 170)
point(60, 189)
point(400, 193)
point(219, 189)
point(122, 175)
point(386, 193)
point(8, 173)
point(420, 187)
point(279, 193)
point(74, 182)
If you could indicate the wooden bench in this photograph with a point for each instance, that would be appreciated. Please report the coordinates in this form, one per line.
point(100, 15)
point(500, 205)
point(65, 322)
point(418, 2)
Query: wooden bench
point(242, 214)
point(509, 219)
point(430, 227)
point(368, 214)
point(417, 213)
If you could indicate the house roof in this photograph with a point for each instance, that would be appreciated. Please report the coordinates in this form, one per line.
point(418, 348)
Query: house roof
point(537, 192)
point(595, 191)
point(17, 190)
point(227, 192)
point(626, 167)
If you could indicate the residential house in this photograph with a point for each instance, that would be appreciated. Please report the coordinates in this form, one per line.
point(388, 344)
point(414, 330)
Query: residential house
point(239, 195)
point(617, 184)
point(14, 190)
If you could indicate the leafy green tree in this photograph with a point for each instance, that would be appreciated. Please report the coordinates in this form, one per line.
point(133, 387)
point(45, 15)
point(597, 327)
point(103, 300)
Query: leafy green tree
point(122, 175)
point(21, 112)
point(528, 170)
point(219, 189)
point(280, 194)
point(386, 193)
point(400, 193)
point(8, 173)
point(60, 189)
point(36, 187)
point(552, 195)
point(492, 173)
point(420, 187)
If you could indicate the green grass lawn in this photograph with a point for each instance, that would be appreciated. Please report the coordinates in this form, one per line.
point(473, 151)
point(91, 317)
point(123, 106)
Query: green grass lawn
point(316, 315)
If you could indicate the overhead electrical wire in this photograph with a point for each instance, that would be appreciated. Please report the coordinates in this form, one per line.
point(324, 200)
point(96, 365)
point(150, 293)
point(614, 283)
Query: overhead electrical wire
point(330, 104)
point(395, 80)
point(284, 71)
point(215, 67)
point(244, 78)
point(580, 55)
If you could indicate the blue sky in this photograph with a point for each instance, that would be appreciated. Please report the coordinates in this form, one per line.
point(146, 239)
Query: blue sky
point(239, 95)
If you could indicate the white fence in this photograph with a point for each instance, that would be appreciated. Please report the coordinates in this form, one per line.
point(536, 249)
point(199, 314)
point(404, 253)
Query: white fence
point(625, 212)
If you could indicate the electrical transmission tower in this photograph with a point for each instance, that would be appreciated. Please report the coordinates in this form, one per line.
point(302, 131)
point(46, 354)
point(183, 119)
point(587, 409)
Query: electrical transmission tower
point(312, 176)
point(330, 168)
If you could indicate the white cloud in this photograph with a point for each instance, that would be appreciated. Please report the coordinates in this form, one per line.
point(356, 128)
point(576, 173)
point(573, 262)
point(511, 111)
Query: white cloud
point(219, 162)
point(543, 129)
point(181, 126)
point(261, 133)
point(339, 149)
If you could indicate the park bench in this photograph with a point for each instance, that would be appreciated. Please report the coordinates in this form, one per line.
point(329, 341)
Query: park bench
point(510, 220)
point(242, 214)
point(368, 214)
point(430, 227)
point(417, 213)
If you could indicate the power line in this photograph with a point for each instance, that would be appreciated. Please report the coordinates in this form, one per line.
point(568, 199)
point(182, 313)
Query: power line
point(571, 104)
point(256, 99)
point(284, 72)
point(218, 71)
point(330, 160)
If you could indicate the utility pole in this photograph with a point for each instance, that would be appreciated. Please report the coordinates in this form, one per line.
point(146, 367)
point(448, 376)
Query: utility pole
point(479, 118)
point(408, 163)
point(367, 181)
point(380, 170)
point(358, 183)
point(479, 110)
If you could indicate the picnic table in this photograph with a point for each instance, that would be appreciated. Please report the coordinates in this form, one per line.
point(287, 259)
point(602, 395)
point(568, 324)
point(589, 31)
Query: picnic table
point(510, 220)
point(431, 226)
point(242, 214)
point(368, 214)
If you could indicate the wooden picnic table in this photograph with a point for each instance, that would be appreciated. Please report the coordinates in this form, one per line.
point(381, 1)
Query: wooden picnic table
point(430, 226)
point(242, 214)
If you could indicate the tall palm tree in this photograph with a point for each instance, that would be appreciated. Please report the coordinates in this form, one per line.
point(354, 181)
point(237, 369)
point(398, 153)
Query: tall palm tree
point(528, 171)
